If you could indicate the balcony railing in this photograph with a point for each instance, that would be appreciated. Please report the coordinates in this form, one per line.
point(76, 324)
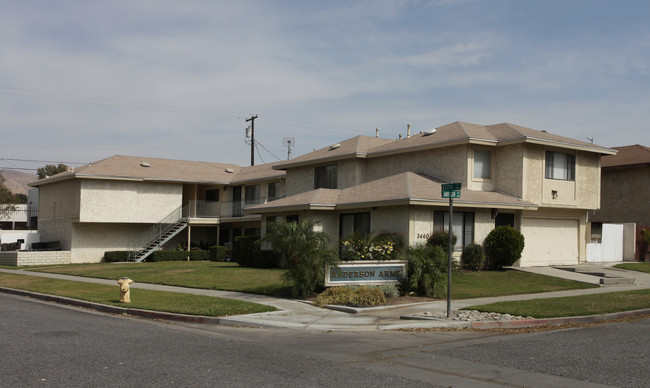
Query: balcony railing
point(210, 209)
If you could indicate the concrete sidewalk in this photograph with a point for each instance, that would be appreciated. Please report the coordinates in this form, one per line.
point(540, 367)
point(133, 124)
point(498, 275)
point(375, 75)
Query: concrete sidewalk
point(295, 314)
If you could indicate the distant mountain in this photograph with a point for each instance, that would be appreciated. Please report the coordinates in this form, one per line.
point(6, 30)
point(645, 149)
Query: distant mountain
point(17, 181)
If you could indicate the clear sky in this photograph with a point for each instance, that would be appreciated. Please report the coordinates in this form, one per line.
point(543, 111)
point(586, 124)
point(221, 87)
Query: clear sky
point(84, 80)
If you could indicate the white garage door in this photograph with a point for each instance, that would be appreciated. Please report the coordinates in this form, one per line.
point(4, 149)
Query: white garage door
point(549, 242)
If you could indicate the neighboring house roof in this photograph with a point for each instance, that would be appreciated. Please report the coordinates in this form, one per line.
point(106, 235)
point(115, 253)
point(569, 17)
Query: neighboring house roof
point(448, 135)
point(406, 188)
point(163, 170)
point(632, 155)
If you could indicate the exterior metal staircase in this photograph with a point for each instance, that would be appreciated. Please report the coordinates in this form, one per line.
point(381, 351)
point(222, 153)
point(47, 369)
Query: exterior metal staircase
point(154, 238)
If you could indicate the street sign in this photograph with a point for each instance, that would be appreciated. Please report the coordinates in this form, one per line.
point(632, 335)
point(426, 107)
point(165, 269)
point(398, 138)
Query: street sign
point(450, 187)
point(451, 194)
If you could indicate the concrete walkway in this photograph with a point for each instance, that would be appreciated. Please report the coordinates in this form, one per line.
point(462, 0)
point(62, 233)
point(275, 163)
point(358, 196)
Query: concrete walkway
point(295, 314)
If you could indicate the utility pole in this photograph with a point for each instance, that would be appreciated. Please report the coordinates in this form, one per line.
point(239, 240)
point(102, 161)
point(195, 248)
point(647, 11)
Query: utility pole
point(252, 120)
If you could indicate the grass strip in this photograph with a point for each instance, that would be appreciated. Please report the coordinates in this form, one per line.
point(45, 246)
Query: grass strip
point(572, 306)
point(482, 284)
point(639, 267)
point(171, 302)
point(194, 274)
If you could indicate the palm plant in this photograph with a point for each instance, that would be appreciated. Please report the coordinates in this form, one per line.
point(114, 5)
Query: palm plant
point(304, 252)
point(427, 268)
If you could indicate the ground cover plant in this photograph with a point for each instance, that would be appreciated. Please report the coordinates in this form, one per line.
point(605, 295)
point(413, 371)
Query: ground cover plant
point(602, 303)
point(196, 274)
point(172, 302)
point(640, 267)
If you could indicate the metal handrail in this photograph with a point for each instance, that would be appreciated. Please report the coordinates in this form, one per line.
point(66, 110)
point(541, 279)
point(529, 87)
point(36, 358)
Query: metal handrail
point(157, 231)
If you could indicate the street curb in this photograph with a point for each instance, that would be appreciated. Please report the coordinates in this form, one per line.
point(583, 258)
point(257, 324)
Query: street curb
point(149, 314)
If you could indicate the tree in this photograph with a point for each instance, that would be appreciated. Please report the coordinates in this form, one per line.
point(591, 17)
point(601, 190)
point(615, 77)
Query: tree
point(7, 198)
point(305, 253)
point(50, 170)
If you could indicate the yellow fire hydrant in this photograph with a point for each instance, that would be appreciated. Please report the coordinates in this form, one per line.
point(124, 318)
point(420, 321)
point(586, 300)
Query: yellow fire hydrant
point(125, 290)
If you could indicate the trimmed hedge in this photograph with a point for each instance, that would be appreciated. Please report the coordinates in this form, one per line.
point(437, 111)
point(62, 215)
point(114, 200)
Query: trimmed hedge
point(115, 256)
point(472, 257)
point(178, 256)
point(245, 249)
point(218, 253)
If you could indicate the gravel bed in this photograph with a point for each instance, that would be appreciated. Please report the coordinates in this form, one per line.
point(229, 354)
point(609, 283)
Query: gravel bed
point(471, 315)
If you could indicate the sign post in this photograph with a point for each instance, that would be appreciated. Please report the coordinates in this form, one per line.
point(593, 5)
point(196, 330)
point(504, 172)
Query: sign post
point(451, 191)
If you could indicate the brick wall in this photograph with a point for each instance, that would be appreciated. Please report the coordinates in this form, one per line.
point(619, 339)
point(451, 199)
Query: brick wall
point(34, 258)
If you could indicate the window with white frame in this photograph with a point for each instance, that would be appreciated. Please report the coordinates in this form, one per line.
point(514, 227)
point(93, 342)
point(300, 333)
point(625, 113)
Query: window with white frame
point(560, 166)
point(482, 164)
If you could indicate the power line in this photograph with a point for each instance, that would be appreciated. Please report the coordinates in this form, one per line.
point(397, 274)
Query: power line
point(266, 149)
point(40, 161)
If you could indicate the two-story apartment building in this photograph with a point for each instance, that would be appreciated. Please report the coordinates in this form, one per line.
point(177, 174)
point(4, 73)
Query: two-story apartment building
point(113, 203)
point(541, 184)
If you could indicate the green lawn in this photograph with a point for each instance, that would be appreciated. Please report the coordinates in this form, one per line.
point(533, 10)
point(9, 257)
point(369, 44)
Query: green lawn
point(140, 299)
point(508, 282)
point(572, 305)
point(195, 274)
point(640, 267)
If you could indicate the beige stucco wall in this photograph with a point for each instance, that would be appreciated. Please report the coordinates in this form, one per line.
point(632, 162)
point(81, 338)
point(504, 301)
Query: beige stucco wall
point(445, 163)
point(129, 202)
point(91, 240)
point(483, 224)
point(59, 229)
point(625, 196)
point(509, 169)
point(583, 193)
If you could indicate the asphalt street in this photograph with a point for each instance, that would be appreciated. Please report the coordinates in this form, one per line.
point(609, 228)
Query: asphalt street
point(47, 344)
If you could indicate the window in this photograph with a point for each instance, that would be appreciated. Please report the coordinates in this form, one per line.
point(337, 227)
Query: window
point(292, 218)
point(271, 191)
point(252, 194)
point(326, 177)
point(462, 226)
point(482, 164)
point(354, 223)
point(560, 166)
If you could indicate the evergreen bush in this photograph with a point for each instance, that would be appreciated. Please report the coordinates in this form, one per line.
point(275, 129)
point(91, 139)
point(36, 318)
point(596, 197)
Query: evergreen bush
point(472, 257)
point(503, 246)
point(218, 253)
point(441, 239)
point(245, 249)
point(361, 296)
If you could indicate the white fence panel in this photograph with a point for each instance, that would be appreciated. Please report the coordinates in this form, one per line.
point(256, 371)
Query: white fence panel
point(594, 252)
point(611, 248)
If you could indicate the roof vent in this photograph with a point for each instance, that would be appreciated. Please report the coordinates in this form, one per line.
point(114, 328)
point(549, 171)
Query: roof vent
point(144, 164)
point(230, 170)
point(429, 132)
point(335, 146)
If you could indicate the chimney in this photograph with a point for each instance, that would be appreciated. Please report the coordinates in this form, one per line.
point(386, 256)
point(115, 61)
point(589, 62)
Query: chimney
point(400, 136)
point(376, 132)
point(408, 130)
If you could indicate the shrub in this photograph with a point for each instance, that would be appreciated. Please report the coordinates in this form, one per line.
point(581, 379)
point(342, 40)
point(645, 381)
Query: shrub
point(245, 249)
point(178, 256)
point(503, 246)
point(218, 253)
point(266, 259)
point(304, 252)
point(472, 257)
point(427, 267)
point(348, 296)
point(389, 290)
point(441, 239)
point(115, 256)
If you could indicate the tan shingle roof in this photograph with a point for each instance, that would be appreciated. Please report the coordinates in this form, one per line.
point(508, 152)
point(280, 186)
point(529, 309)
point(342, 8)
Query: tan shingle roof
point(168, 170)
point(351, 148)
point(450, 134)
point(627, 156)
point(401, 189)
